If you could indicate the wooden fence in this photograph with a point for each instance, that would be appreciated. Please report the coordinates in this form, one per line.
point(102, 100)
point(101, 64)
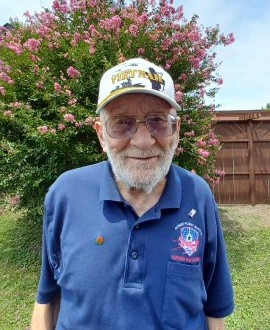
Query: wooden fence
point(245, 157)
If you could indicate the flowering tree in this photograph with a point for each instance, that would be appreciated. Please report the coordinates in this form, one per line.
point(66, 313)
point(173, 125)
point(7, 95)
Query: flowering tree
point(50, 68)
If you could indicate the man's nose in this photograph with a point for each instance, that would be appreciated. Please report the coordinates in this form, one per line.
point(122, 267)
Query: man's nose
point(142, 138)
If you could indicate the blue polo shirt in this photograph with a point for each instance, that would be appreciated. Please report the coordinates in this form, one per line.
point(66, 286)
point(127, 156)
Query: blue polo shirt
point(115, 270)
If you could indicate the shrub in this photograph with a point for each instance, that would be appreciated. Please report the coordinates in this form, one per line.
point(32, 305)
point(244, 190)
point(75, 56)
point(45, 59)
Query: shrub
point(50, 68)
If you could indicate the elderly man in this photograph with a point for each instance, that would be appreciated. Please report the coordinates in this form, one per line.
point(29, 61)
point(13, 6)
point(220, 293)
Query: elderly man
point(133, 242)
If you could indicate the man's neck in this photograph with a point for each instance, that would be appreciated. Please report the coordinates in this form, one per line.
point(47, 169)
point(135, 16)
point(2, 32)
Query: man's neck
point(139, 199)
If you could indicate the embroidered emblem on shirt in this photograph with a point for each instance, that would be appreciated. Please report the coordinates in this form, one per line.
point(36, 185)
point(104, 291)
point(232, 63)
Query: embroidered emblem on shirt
point(187, 243)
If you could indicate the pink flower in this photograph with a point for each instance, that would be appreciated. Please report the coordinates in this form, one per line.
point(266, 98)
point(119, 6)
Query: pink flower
point(16, 105)
point(195, 62)
point(141, 51)
point(61, 127)
point(179, 150)
point(219, 81)
point(43, 129)
point(57, 87)
point(121, 58)
point(220, 172)
point(33, 45)
point(89, 121)
point(189, 134)
point(203, 153)
point(69, 118)
point(142, 19)
point(73, 73)
point(68, 92)
point(179, 96)
point(111, 24)
point(183, 76)
point(72, 101)
point(8, 113)
point(201, 144)
point(53, 131)
point(230, 39)
point(16, 48)
point(133, 29)
point(61, 6)
point(2, 91)
point(40, 84)
point(92, 49)
point(213, 142)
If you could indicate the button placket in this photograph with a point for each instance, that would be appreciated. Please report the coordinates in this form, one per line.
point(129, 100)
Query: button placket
point(135, 259)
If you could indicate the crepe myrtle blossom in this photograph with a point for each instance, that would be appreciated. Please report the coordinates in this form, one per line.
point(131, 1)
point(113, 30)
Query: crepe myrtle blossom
point(220, 173)
point(189, 134)
point(2, 90)
point(15, 47)
point(201, 144)
point(8, 113)
point(134, 30)
point(68, 117)
point(141, 51)
point(33, 45)
point(57, 87)
point(203, 153)
point(61, 127)
point(53, 131)
point(73, 73)
point(43, 129)
point(179, 96)
point(219, 81)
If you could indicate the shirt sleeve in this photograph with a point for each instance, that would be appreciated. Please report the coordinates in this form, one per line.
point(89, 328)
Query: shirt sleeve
point(48, 288)
point(217, 275)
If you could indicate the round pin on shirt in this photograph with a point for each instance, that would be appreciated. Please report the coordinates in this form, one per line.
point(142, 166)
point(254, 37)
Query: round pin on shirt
point(100, 240)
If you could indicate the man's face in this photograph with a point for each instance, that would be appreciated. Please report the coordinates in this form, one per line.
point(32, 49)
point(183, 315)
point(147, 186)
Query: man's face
point(141, 161)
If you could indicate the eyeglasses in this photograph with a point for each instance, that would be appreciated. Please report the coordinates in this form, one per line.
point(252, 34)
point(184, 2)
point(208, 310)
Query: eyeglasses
point(125, 126)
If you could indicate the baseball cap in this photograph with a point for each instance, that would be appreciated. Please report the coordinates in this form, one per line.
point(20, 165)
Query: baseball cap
point(136, 76)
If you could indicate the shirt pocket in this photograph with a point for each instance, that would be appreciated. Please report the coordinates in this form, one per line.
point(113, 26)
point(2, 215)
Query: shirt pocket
point(184, 297)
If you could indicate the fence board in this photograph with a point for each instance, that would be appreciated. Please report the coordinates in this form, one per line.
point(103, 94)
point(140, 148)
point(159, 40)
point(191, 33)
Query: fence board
point(245, 157)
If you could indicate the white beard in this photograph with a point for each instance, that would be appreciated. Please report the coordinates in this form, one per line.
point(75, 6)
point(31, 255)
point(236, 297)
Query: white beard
point(141, 176)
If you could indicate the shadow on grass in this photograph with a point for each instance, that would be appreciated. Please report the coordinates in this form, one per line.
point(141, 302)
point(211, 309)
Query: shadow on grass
point(238, 242)
point(20, 240)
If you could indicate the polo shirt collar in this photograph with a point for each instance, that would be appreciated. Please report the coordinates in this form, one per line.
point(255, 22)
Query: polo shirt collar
point(170, 199)
point(108, 187)
point(172, 195)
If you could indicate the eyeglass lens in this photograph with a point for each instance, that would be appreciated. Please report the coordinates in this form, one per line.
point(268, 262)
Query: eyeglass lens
point(124, 126)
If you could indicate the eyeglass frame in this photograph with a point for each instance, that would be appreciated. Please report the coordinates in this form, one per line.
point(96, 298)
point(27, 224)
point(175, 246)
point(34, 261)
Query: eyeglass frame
point(138, 121)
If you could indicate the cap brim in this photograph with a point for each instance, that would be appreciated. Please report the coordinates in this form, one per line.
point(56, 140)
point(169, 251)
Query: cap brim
point(131, 90)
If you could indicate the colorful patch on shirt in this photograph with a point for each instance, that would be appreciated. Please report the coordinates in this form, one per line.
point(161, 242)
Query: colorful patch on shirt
point(187, 244)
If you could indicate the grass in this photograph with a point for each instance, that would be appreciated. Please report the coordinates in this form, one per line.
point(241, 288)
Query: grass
point(19, 272)
point(247, 234)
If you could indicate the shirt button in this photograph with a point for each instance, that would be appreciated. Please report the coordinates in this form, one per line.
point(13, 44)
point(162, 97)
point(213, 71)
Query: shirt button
point(137, 226)
point(134, 255)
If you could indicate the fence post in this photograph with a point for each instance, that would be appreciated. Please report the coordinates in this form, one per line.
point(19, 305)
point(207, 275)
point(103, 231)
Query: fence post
point(251, 162)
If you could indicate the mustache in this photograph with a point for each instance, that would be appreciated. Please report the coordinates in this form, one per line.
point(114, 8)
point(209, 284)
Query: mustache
point(143, 153)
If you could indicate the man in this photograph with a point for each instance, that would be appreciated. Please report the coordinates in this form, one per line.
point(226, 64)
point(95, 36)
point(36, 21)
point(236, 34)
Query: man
point(135, 242)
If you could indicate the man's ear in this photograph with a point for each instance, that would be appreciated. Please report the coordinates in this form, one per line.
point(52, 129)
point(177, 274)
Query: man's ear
point(99, 127)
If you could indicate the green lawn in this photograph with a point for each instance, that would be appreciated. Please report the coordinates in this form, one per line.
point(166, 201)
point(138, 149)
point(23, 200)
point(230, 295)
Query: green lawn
point(247, 233)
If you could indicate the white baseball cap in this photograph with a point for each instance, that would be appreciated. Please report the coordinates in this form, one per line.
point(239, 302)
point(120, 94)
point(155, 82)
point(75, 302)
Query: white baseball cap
point(136, 76)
